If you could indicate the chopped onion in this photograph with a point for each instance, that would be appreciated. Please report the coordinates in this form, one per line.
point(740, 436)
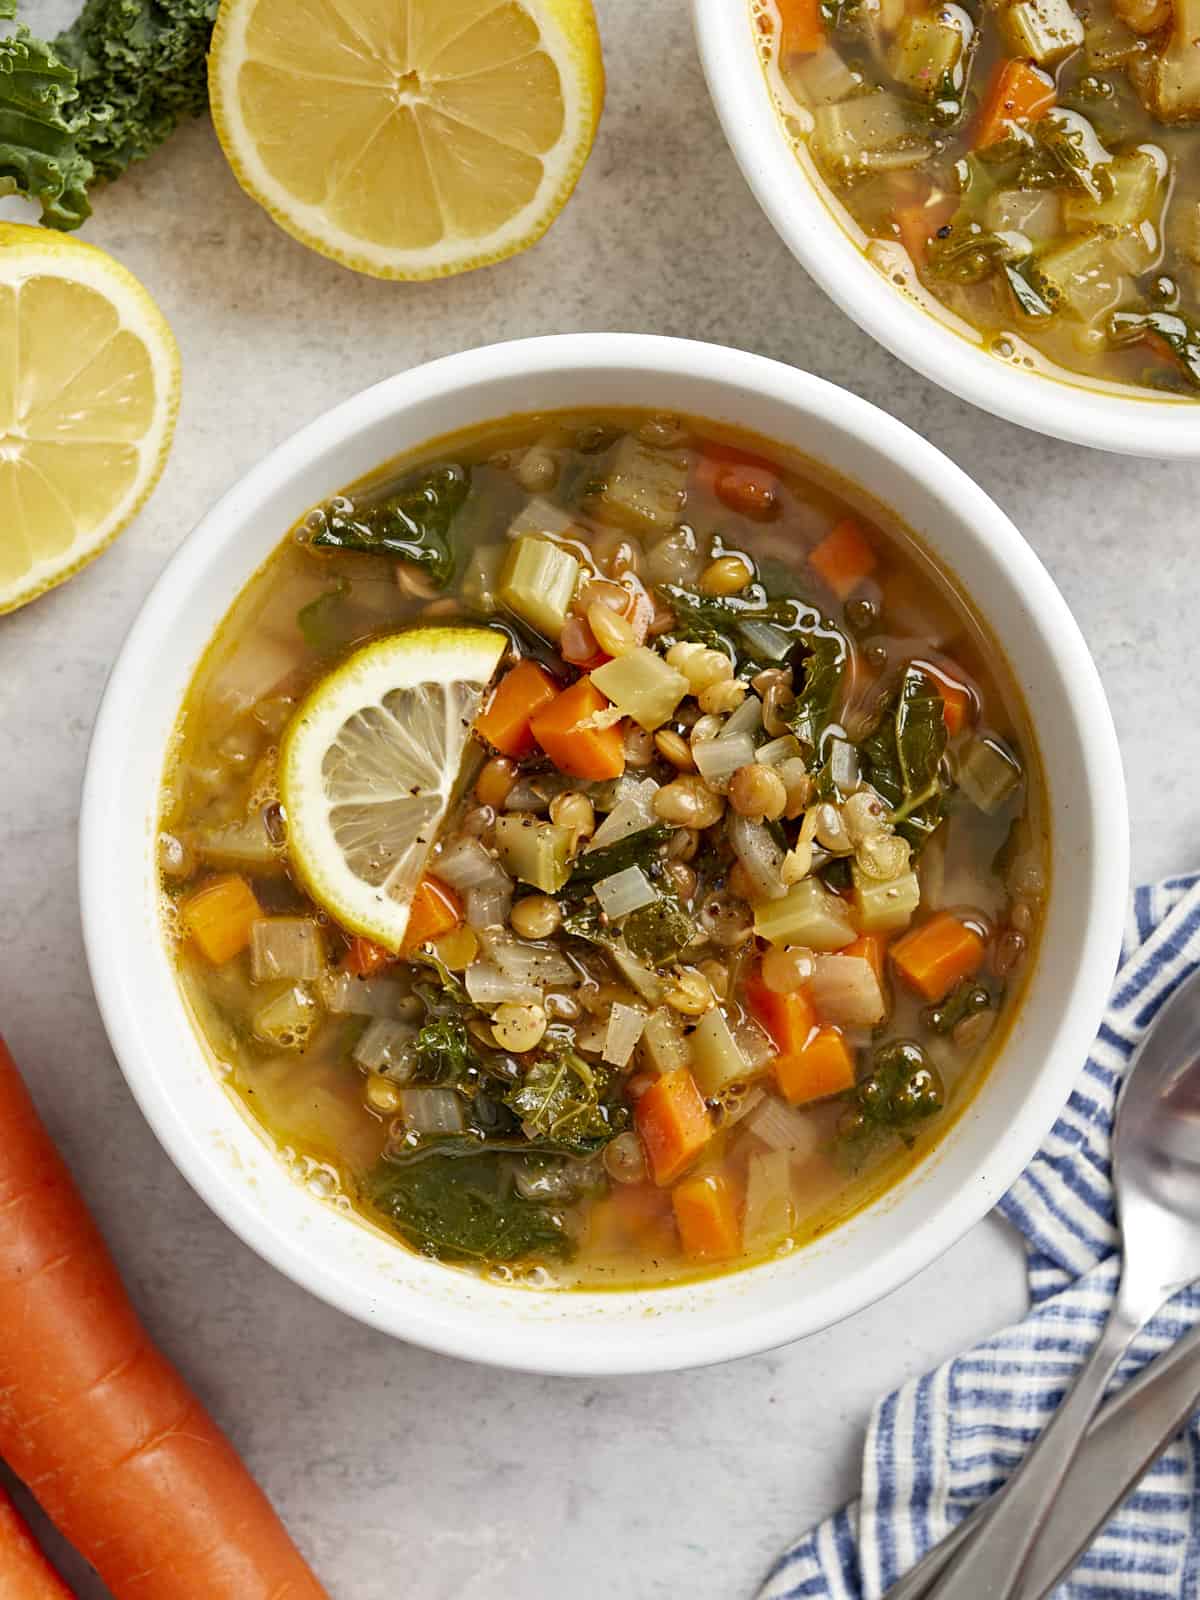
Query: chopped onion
point(761, 858)
point(846, 991)
point(633, 812)
point(746, 719)
point(718, 759)
point(531, 963)
point(539, 515)
point(432, 1110)
point(465, 864)
point(488, 906)
point(755, 1047)
point(591, 1036)
point(386, 1046)
point(285, 947)
point(626, 891)
point(778, 750)
point(782, 1127)
point(843, 765)
point(625, 1024)
point(489, 987)
point(346, 995)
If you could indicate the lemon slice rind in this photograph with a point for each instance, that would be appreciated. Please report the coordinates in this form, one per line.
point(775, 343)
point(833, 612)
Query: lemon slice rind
point(28, 253)
point(568, 36)
point(368, 767)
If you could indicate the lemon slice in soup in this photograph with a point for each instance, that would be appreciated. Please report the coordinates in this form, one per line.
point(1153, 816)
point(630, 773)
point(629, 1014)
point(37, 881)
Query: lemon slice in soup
point(368, 767)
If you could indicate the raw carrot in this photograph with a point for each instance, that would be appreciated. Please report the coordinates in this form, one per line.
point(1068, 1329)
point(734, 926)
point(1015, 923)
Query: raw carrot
point(803, 26)
point(1018, 92)
point(25, 1574)
point(745, 483)
point(788, 1018)
point(365, 958)
point(220, 915)
point(435, 910)
point(932, 958)
point(519, 694)
point(823, 1067)
point(673, 1123)
point(870, 947)
point(706, 1214)
point(120, 1453)
point(579, 751)
point(843, 558)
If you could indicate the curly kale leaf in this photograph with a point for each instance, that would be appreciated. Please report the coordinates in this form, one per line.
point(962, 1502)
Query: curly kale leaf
point(660, 932)
point(902, 758)
point(823, 667)
point(414, 524)
point(561, 1101)
point(106, 92)
point(751, 628)
point(460, 1206)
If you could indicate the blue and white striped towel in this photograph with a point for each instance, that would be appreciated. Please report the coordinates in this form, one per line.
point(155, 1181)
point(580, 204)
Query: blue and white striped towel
point(944, 1442)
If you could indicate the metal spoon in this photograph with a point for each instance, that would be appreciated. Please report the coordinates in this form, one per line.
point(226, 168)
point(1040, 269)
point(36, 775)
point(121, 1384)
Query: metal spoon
point(1156, 1182)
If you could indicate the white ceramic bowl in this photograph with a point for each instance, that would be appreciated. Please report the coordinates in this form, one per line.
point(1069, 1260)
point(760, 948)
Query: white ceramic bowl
point(244, 1181)
point(807, 224)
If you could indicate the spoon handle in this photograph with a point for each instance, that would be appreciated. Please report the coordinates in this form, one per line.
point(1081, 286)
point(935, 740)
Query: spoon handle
point(1129, 1434)
point(991, 1564)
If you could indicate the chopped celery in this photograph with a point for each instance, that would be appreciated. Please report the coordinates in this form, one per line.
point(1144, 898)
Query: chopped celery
point(928, 50)
point(540, 516)
point(286, 947)
point(535, 852)
point(240, 847)
point(821, 79)
point(885, 907)
point(641, 685)
point(871, 133)
point(769, 1214)
point(289, 1020)
point(1133, 187)
point(988, 773)
point(625, 1024)
point(538, 582)
point(644, 489)
point(716, 1060)
point(481, 580)
point(1047, 30)
point(808, 915)
point(665, 1046)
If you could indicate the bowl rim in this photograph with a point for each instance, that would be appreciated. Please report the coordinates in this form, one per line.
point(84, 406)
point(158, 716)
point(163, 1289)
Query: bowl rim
point(472, 1335)
point(1126, 425)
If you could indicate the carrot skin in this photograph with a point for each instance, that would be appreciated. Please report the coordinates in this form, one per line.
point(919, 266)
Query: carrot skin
point(25, 1574)
point(108, 1436)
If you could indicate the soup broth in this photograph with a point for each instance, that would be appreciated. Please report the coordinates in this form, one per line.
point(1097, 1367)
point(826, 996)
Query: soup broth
point(1026, 168)
point(723, 910)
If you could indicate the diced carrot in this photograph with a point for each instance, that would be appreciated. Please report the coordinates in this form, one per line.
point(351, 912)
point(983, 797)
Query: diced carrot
point(932, 958)
point(365, 958)
point(518, 696)
point(632, 1216)
point(1018, 92)
point(788, 1018)
point(435, 910)
point(844, 558)
point(957, 706)
point(673, 1123)
point(918, 221)
point(823, 1067)
point(219, 916)
point(581, 752)
point(745, 483)
point(803, 26)
point(870, 947)
point(706, 1213)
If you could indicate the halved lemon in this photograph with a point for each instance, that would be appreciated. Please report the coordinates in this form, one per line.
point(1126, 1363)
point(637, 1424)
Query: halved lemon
point(408, 138)
point(368, 766)
point(89, 389)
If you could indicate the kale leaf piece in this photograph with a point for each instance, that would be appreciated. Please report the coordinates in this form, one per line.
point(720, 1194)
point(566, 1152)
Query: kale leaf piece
point(561, 1101)
point(414, 524)
point(461, 1203)
point(967, 999)
point(106, 92)
point(1168, 330)
point(902, 757)
point(751, 628)
point(823, 666)
point(444, 1056)
point(660, 932)
point(903, 1089)
point(631, 851)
